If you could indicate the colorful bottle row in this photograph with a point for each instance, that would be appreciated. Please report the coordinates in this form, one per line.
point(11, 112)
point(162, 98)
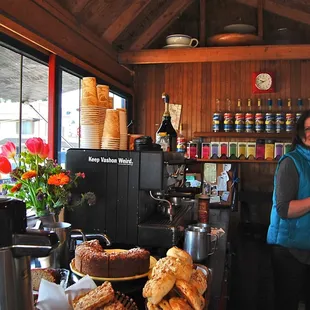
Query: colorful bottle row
point(261, 149)
point(269, 122)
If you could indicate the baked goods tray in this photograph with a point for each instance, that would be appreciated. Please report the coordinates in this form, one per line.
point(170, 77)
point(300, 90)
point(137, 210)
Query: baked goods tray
point(207, 295)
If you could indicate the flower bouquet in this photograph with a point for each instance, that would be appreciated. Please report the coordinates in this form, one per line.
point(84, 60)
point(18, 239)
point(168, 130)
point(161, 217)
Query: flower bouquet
point(40, 182)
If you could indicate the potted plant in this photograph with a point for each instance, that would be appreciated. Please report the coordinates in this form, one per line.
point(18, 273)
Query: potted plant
point(45, 186)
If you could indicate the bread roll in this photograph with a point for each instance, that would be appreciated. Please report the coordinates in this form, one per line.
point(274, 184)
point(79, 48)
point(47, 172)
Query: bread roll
point(179, 253)
point(164, 305)
point(156, 288)
point(181, 269)
point(190, 293)
point(178, 303)
point(199, 280)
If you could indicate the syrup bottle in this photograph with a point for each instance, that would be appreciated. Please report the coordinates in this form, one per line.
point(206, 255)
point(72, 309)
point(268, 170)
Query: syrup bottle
point(166, 135)
point(181, 141)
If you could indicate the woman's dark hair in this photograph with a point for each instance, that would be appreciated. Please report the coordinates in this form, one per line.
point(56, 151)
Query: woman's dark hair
point(299, 132)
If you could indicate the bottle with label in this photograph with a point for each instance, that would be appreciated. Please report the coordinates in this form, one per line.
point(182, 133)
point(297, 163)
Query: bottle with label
point(249, 118)
point(228, 118)
point(181, 141)
point(289, 117)
point(166, 135)
point(217, 117)
point(239, 118)
point(299, 109)
point(280, 123)
point(270, 118)
point(259, 117)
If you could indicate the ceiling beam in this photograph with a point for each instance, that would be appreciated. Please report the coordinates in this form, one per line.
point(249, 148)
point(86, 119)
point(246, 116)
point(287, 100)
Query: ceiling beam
point(175, 8)
point(203, 19)
point(215, 54)
point(43, 28)
point(282, 10)
point(79, 6)
point(126, 17)
point(53, 7)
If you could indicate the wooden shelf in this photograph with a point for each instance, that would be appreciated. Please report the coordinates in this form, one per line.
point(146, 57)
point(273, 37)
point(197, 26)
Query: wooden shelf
point(243, 135)
point(215, 54)
point(239, 161)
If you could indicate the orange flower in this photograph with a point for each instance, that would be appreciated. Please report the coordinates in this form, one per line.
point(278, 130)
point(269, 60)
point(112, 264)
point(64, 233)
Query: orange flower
point(58, 179)
point(29, 174)
point(16, 187)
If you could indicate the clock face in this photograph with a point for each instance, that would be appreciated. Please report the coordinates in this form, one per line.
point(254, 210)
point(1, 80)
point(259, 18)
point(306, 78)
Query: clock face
point(263, 81)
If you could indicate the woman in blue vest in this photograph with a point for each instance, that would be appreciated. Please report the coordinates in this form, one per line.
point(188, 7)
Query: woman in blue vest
point(289, 230)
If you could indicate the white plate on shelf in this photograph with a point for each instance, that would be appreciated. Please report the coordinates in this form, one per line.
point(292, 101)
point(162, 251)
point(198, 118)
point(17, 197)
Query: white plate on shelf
point(177, 46)
point(240, 28)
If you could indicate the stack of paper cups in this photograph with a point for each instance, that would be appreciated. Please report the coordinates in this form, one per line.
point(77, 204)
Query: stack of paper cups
point(111, 130)
point(103, 101)
point(123, 131)
point(90, 129)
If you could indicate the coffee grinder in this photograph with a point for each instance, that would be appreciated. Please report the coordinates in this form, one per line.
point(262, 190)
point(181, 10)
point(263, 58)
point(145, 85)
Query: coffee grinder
point(17, 244)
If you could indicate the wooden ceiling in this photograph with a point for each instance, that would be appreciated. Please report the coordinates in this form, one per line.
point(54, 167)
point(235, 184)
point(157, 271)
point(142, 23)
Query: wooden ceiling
point(131, 25)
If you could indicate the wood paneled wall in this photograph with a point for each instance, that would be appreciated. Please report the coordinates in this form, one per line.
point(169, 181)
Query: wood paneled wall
point(197, 86)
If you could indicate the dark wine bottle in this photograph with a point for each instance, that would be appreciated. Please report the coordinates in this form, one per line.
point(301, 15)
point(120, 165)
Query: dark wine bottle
point(166, 135)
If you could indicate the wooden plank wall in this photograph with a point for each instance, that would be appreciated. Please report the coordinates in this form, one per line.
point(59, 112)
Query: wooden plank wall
point(197, 86)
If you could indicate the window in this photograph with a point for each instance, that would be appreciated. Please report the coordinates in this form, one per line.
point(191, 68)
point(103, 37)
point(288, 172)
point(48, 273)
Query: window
point(23, 98)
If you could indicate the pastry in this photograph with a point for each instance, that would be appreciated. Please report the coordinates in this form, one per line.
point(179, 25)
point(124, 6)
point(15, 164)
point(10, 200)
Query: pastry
point(151, 306)
point(191, 294)
point(114, 305)
point(96, 298)
point(181, 269)
point(181, 254)
point(156, 288)
point(178, 303)
point(199, 280)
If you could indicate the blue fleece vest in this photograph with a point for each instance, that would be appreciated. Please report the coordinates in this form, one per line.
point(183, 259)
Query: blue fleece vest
point(293, 232)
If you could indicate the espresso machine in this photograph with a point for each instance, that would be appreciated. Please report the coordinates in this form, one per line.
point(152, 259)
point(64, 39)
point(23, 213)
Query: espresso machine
point(132, 190)
point(17, 244)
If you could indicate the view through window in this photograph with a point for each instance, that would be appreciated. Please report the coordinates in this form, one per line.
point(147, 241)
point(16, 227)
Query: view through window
point(23, 99)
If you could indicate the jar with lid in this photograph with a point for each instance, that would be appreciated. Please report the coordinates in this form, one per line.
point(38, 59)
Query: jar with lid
point(203, 208)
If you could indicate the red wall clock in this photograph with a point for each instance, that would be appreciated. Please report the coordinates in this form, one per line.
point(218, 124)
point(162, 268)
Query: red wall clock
point(263, 82)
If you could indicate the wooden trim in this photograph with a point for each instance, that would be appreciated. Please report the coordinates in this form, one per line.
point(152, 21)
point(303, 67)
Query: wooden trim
point(159, 25)
point(282, 10)
point(37, 40)
point(203, 17)
point(260, 18)
point(118, 26)
point(216, 54)
point(52, 105)
point(54, 8)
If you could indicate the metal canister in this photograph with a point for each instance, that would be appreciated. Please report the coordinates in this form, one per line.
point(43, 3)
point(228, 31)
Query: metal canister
point(259, 122)
point(280, 123)
point(216, 122)
point(192, 150)
point(289, 122)
point(228, 122)
point(270, 123)
point(249, 122)
point(239, 122)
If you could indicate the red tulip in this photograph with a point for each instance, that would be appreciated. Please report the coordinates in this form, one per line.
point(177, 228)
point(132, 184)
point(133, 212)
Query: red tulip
point(34, 145)
point(9, 150)
point(44, 151)
point(5, 165)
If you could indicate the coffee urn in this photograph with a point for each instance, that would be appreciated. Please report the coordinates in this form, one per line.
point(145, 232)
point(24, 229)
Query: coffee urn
point(17, 245)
